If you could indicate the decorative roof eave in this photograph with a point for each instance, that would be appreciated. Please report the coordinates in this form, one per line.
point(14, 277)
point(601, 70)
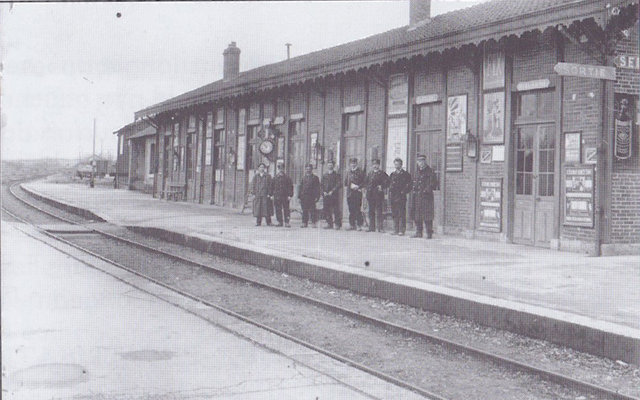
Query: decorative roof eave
point(563, 15)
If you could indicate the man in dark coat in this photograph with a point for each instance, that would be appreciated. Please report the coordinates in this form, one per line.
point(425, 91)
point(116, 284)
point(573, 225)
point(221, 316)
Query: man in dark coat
point(261, 190)
point(330, 187)
point(399, 187)
point(424, 183)
point(354, 181)
point(309, 194)
point(282, 192)
point(377, 181)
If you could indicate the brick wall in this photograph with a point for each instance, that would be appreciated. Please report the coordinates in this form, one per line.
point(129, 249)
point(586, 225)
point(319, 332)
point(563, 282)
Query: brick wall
point(625, 208)
point(625, 180)
point(459, 186)
point(582, 111)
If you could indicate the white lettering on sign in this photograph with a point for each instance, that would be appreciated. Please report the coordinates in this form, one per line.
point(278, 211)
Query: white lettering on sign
point(532, 85)
point(586, 71)
point(352, 109)
point(627, 61)
point(296, 117)
point(429, 98)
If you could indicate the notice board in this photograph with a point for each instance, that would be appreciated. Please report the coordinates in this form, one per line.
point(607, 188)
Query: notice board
point(579, 195)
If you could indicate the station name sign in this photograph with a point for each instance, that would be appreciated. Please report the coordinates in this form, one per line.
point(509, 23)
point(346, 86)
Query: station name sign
point(586, 71)
point(627, 61)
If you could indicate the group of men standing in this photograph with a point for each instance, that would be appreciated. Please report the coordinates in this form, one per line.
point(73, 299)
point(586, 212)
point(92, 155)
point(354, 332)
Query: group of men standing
point(279, 190)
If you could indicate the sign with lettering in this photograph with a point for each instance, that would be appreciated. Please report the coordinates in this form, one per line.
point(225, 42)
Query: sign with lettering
point(586, 71)
point(491, 204)
point(396, 142)
point(627, 61)
point(398, 94)
point(453, 157)
point(428, 98)
point(623, 131)
point(579, 195)
point(493, 69)
point(296, 117)
point(352, 109)
point(533, 85)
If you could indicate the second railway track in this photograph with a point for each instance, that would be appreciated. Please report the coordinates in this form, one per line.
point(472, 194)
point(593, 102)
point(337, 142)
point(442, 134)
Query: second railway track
point(431, 365)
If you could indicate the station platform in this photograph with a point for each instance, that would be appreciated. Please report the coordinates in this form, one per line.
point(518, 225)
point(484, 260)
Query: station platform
point(588, 303)
point(76, 327)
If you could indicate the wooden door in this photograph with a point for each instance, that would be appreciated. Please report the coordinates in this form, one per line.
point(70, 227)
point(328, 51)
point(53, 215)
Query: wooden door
point(427, 126)
point(218, 166)
point(535, 200)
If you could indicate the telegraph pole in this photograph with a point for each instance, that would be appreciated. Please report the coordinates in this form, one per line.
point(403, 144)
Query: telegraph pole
point(93, 160)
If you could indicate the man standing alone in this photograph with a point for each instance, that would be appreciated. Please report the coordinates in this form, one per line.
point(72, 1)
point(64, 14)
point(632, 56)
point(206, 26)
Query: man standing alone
point(261, 190)
point(399, 187)
point(377, 182)
point(282, 193)
point(309, 194)
point(354, 182)
point(424, 183)
point(330, 188)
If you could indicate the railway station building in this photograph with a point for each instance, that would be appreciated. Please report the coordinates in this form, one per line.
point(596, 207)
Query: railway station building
point(527, 110)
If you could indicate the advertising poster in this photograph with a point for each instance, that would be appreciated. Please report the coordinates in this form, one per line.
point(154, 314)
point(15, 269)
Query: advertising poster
point(493, 70)
point(396, 142)
point(242, 153)
point(456, 118)
point(485, 155)
point(572, 147)
point(493, 118)
point(579, 195)
point(453, 157)
point(491, 204)
point(207, 152)
point(398, 94)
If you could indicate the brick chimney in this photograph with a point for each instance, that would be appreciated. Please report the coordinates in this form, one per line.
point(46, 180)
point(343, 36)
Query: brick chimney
point(419, 10)
point(231, 62)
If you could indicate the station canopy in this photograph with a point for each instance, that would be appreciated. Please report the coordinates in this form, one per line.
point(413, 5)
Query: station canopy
point(490, 21)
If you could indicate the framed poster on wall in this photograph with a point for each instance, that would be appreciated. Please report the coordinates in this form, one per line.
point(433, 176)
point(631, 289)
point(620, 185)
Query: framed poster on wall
point(456, 118)
point(493, 69)
point(572, 147)
point(493, 118)
point(396, 142)
point(579, 195)
point(490, 204)
point(242, 153)
point(398, 94)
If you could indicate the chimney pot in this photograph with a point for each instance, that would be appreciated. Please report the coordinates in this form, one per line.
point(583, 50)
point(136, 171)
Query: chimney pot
point(419, 10)
point(231, 67)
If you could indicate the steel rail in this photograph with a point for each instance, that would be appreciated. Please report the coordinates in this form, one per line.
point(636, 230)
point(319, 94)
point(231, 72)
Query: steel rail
point(551, 376)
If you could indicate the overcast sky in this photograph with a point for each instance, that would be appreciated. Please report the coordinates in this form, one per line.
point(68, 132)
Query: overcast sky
point(65, 63)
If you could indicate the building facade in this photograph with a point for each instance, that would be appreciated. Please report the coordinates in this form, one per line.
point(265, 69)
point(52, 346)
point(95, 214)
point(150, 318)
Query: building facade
point(527, 111)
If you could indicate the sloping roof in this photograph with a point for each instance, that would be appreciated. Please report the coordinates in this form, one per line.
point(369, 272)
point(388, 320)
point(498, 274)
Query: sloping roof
point(148, 131)
point(472, 25)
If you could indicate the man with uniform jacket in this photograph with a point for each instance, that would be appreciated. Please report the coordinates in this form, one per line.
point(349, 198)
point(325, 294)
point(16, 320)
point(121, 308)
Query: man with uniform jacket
point(261, 190)
point(424, 183)
point(354, 181)
point(282, 193)
point(377, 181)
point(309, 194)
point(399, 187)
point(330, 187)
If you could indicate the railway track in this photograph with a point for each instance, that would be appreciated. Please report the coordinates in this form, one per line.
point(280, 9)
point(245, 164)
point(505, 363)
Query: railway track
point(117, 250)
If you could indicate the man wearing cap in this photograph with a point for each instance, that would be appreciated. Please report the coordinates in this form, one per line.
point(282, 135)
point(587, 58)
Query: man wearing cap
point(424, 183)
point(309, 194)
point(330, 187)
point(354, 181)
point(399, 187)
point(282, 193)
point(261, 191)
point(377, 181)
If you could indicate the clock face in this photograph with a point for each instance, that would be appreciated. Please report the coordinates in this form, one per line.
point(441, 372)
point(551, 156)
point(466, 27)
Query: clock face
point(266, 147)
